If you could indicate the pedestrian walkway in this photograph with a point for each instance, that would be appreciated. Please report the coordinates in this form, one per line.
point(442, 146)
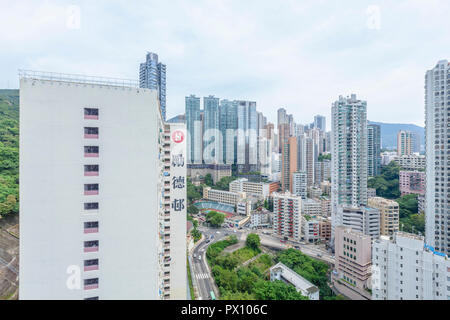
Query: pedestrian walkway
point(202, 276)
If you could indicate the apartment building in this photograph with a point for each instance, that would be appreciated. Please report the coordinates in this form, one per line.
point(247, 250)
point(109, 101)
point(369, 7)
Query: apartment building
point(325, 229)
point(404, 143)
point(405, 268)
point(299, 184)
point(325, 204)
point(260, 219)
point(353, 259)
point(99, 218)
point(310, 229)
point(287, 215)
point(226, 197)
point(412, 182)
point(311, 207)
point(361, 219)
point(437, 124)
point(411, 162)
point(389, 215)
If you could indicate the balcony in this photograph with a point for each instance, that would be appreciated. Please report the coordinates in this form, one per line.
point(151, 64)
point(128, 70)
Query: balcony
point(90, 155)
point(90, 136)
point(90, 192)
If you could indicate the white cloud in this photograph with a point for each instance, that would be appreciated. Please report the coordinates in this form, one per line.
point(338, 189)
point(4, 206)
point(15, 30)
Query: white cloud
point(292, 54)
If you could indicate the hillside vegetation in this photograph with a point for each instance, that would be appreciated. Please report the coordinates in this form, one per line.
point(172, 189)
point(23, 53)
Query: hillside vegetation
point(9, 152)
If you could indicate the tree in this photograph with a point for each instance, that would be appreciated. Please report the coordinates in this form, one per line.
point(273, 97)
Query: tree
point(192, 209)
point(386, 184)
point(215, 218)
point(408, 205)
point(276, 290)
point(193, 193)
point(253, 241)
point(209, 180)
point(224, 183)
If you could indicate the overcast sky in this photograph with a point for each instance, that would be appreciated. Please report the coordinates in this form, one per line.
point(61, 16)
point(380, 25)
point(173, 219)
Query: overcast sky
point(300, 55)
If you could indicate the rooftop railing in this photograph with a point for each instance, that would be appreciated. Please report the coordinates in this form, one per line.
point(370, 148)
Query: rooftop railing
point(77, 78)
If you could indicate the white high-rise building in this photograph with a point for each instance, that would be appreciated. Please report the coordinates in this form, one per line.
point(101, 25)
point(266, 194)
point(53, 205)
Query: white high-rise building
point(102, 191)
point(348, 154)
point(437, 122)
point(407, 269)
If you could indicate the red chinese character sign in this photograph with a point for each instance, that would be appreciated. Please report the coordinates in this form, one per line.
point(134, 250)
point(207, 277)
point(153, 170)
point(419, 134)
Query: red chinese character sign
point(178, 136)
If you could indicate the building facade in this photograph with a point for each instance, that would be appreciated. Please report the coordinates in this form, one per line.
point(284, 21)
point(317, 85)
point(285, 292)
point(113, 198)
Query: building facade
point(405, 268)
point(412, 182)
point(373, 150)
point(348, 154)
point(287, 215)
point(79, 200)
point(389, 215)
point(437, 120)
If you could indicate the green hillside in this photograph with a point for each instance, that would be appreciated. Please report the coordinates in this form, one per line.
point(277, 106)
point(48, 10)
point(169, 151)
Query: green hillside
point(9, 151)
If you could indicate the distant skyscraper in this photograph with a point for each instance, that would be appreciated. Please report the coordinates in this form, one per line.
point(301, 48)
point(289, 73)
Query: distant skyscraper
point(194, 130)
point(320, 123)
point(247, 144)
point(437, 122)
point(228, 126)
point(282, 116)
point(415, 137)
point(373, 150)
point(212, 144)
point(152, 75)
point(404, 143)
point(348, 154)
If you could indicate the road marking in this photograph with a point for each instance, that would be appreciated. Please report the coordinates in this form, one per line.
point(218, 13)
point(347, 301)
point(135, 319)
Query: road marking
point(202, 276)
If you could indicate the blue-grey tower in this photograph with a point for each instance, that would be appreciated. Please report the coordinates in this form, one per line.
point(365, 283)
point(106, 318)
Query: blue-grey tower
point(152, 75)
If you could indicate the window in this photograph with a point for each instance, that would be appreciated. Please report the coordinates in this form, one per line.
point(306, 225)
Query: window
point(91, 283)
point(91, 170)
point(91, 227)
point(91, 132)
point(91, 298)
point(91, 206)
point(91, 246)
point(90, 113)
point(91, 264)
point(91, 189)
point(91, 151)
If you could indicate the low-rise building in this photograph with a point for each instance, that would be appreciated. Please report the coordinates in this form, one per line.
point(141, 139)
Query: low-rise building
point(314, 192)
point(244, 207)
point(325, 229)
point(310, 229)
point(261, 219)
point(226, 197)
point(412, 182)
point(311, 207)
point(353, 259)
point(283, 273)
point(405, 268)
point(326, 187)
point(260, 189)
point(389, 214)
point(325, 203)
